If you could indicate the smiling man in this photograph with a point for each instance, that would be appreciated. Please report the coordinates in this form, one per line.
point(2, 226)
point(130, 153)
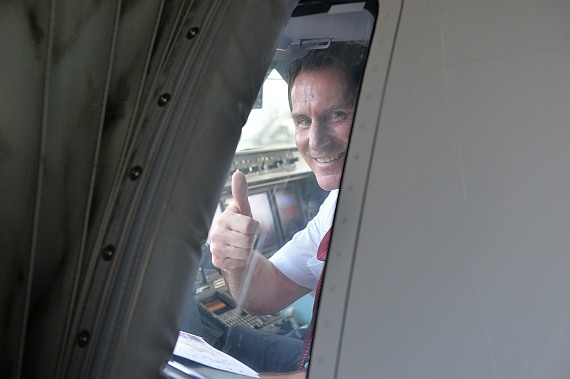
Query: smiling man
point(323, 88)
point(322, 114)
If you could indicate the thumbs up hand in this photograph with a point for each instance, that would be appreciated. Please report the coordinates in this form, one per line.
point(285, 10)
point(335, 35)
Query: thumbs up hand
point(234, 231)
point(239, 193)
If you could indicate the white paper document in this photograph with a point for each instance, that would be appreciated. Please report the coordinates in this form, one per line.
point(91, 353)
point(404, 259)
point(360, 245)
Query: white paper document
point(196, 349)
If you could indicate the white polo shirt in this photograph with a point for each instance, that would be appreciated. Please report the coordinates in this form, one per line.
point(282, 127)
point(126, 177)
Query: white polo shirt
point(297, 259)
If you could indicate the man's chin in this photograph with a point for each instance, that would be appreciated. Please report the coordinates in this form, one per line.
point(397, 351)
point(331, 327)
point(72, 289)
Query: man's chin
point(329, 182)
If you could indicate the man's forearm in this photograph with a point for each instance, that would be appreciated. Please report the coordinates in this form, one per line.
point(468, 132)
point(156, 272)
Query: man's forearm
point(260, 288)
point(252, 285)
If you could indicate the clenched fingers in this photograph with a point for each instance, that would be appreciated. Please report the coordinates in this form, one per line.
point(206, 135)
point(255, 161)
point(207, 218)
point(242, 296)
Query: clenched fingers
point(232, 239)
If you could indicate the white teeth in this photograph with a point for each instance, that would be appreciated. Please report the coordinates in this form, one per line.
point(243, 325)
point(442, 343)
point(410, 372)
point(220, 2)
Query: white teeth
point(329, 159)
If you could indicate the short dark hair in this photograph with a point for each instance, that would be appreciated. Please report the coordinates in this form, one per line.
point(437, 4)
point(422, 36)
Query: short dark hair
point(347, 57)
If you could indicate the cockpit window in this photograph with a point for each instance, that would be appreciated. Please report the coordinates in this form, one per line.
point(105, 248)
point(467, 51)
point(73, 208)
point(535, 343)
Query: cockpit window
point(269, 123)
point(257, 291)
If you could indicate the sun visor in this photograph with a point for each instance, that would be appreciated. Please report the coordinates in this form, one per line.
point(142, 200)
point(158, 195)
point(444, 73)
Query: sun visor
point(315, 23)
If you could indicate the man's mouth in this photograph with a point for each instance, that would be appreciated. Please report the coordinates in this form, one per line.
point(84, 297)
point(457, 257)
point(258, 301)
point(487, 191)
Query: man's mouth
point(331, 158)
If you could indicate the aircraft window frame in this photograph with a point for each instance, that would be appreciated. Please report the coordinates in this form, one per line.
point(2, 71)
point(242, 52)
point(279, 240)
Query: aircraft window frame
point(253, 161)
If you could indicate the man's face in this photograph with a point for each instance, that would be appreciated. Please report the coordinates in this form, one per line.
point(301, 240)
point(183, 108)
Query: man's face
point(322, 112)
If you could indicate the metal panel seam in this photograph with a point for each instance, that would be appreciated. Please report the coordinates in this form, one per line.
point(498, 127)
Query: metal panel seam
point(74, 299)
point(39, 186)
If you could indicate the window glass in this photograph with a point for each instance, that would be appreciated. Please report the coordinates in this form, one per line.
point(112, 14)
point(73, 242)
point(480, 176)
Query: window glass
point(279, 210)
point(270, 124)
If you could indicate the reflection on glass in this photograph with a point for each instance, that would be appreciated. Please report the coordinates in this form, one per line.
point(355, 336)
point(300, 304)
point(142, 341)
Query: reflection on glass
point(270, 244)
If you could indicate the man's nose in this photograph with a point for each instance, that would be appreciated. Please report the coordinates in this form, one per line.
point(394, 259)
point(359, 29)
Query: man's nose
point(318, 135)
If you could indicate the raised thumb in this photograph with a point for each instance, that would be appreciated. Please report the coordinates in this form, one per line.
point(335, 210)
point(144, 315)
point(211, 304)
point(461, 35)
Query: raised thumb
point(239, 193)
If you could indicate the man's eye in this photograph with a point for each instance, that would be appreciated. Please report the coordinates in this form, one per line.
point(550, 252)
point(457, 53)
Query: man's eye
point(303, 123)
point(337, 116)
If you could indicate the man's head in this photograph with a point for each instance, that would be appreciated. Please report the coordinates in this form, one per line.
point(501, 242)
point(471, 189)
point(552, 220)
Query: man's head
point(323, 88)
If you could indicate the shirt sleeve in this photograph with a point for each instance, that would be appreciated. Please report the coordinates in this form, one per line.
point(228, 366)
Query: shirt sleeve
point(297, 259)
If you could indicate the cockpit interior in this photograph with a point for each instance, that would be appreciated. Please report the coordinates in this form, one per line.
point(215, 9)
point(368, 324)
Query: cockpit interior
point(283, 193)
